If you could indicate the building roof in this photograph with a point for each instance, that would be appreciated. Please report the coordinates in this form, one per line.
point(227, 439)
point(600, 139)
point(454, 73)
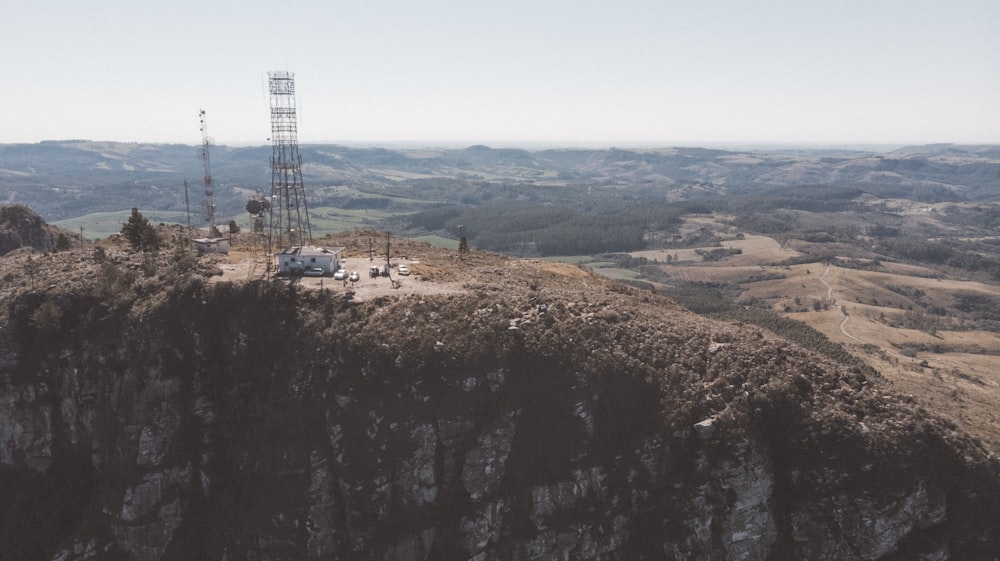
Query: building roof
point(310, 250)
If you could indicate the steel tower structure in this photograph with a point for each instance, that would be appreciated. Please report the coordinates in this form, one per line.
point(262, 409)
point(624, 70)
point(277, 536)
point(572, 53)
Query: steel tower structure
point(209, 203)
point(289, 218)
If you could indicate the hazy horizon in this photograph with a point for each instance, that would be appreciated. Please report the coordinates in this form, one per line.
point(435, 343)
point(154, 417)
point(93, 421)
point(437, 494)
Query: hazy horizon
point(537, 145)
point(636, 73)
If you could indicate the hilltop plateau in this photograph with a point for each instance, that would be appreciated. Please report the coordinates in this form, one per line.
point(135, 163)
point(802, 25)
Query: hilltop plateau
point(159, 406)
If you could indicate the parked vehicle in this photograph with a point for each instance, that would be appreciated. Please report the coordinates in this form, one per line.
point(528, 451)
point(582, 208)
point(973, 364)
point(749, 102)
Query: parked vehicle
point(355, 277)
point(314, 272)
point(403, 270)
point(341, 274)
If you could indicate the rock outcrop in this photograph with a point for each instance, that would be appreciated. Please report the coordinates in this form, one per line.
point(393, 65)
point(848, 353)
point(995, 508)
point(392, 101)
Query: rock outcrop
point(22, 227)
point(262, 422)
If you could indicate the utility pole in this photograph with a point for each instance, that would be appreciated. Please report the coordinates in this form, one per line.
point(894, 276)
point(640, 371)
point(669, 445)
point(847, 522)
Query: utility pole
point(388, 263)
point(187, 205)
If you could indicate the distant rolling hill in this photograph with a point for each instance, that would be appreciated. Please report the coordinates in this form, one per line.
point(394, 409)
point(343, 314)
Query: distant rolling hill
point(66, 179)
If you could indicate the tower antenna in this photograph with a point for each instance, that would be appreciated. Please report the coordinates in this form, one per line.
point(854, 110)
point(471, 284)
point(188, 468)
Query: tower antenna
point(209, 203)
point(289, 223)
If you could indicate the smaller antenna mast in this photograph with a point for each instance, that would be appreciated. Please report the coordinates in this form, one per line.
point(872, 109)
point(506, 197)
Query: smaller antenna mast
point(205, 143)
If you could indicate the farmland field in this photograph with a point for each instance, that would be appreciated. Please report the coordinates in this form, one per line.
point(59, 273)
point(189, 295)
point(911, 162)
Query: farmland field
point(908, 321)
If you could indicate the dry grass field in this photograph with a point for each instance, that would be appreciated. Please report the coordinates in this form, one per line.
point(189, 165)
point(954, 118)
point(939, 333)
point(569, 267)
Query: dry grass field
point(941, 359)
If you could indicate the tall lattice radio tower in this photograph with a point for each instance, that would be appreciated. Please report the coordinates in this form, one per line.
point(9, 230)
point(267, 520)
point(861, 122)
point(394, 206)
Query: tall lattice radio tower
point(289, 222)
point(209, 202)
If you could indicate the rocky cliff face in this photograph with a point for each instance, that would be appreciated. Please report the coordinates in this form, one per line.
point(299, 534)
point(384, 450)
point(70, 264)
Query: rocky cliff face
point(524, 421)
point(22, 227)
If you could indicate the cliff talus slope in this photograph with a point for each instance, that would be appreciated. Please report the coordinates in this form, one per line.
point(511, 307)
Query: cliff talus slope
point(542, 413)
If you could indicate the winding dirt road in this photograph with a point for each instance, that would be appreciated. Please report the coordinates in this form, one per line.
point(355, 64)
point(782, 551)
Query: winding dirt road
point(829, 296)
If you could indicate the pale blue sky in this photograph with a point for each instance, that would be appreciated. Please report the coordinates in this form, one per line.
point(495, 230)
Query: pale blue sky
point(557, 71)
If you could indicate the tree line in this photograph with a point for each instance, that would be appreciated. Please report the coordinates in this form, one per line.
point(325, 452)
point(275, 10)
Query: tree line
point(968, 256)
point(528, 228)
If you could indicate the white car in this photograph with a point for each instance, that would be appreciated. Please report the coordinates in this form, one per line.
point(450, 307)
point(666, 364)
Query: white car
point(341, 274)
point(355, 277)
point(314, 272)
point(403, 270)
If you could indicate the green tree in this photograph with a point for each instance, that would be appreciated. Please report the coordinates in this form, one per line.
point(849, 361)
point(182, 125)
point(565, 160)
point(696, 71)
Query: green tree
point(62, 242)
point(140, 233)
point(234, 228)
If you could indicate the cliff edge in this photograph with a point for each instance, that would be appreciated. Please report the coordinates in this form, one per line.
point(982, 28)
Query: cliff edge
point(539, 412)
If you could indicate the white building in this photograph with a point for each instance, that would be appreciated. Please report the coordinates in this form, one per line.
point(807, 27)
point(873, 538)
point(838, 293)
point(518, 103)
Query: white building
point(211, 245)
point(298, 259)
